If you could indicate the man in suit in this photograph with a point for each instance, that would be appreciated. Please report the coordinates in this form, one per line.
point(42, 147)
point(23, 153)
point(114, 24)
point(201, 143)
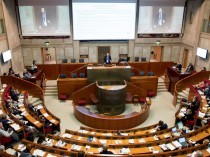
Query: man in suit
point(107, 59)
point(105, 150)
point(179, 67)
point(160, 18)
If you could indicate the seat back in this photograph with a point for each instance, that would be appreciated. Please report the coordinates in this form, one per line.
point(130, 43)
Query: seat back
point(143, 59)
point(74, 75)
point(62, 75)
point(141, 73)
point(150, 73)
point(64, 60)
point(82, 75)
point(136, 59)
point(73, 60)
point(81, 60)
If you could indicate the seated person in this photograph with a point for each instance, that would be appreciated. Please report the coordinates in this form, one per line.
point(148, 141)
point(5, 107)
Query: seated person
point(14, 94)
point(189, 68)
point(26, 152)
point(179, 67)
point(26, 74)
point(161, 126)
point(34, 66)
point(107, 59)
point(105, 150)
point(43, 141)
point(196, 153)
point(11, 72)
point(8, 133)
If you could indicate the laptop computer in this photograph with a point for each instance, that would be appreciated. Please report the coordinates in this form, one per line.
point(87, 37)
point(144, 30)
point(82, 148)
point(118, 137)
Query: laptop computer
point(180, 125)
point(183, 141)
point(174, 129)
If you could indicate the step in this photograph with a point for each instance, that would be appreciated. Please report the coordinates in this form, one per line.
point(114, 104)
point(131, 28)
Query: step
point(37, 103)
point(33, 100)
point(50, 94)
point(50, 87)
point(51, 91)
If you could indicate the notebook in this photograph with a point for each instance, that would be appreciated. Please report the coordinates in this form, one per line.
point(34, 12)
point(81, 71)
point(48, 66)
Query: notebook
point(174, 129)
point(180, 125)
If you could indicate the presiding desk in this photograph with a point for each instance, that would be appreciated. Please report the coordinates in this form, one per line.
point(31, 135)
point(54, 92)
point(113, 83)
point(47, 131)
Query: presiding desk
point(101, 73)
point(174, 77)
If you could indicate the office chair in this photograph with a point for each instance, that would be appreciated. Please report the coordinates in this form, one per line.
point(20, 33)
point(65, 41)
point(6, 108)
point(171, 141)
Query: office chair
point(81, 60)
point(143, 59)
point(150, 73)
point(62, 75)
point(141, 73)
point(82, 75)
point(74, 75)
point(64, 60)
point(73, 60)
point(128, 59)
point(136, 59)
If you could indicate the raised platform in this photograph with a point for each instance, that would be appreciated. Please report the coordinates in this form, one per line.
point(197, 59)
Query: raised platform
point(100, 121)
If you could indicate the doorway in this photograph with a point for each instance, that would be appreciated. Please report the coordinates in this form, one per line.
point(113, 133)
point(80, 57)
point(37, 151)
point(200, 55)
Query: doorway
point(185, 58)
point(102, 50)
point(48, 55)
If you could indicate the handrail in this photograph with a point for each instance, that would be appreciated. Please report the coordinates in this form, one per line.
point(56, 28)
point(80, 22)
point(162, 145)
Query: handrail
point(78, 69)
point(186, 82)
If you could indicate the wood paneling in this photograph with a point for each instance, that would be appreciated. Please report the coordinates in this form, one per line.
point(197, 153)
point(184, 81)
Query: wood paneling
point(51, 70)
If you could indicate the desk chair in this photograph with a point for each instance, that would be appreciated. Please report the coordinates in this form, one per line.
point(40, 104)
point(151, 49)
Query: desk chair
point(62, 75)
point(150, 73)
point(64, 60)
point(141, 73)
point(143, 59)
point(73, 60)
point(81, 60)
point(136, 59)
point(82, 75)
point(74, 75)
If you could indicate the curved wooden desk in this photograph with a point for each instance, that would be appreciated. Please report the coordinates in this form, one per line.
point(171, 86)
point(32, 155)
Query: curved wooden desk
point(110, 122)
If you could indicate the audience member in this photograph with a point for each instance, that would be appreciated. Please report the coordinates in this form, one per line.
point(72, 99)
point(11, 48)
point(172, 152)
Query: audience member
point(196, 154)
point(26, 152)
point(11, 72)
point(26, 74)
point(105, 150)
point(43, 141)
point(161, 126)
point(14, 94)
point(81, 154)
point(107, 59)
point(179, 67)
point(189, 68)
point(34, 66)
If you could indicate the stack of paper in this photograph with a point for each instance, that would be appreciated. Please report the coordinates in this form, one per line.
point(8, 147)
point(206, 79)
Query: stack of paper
point(60, 143)
point(170, 146)
point(83, 131)
point(107, 134)
point(118, 141)
point(124, 134)
point(155, 137)
point(142, 140)
point(125, 151)
point(46, 115)
point(36, 122)
point(93, 133)
point(50, 155)
point(52, 120)
point(201, 114)
point(76, 147)
point(176, 144)
point(79, 138)
point(153, 130)
point(102, 141)
point(38, 152)
point(15, 126)
point(39, 107)
point(131, 141)
point(67, 135)
point(21, 147)
point(87, 147)
point(163, 147)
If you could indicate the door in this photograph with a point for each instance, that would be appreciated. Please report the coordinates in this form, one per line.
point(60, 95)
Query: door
point(48, 55)
point(158, 53)
point(102, 52)
point(185, 58)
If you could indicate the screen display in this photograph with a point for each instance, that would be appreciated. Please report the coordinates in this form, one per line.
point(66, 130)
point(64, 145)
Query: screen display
point(104, 19)
point(159, 17)
point(44, 17)
point(6, 56)
point(201, 52)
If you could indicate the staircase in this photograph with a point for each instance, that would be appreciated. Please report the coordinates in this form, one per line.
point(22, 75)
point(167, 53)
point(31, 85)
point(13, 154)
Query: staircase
point(162, 86)
point(34, 101)
point(51, 88)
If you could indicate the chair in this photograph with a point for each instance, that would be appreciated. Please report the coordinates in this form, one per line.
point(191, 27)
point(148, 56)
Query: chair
point(150, 93)
point(82, 75)
point(64, 60)
point(142, 100)
point(143, 59)
point(132, 74)
point(63, 97)
point(93, 98)
point(128, 59)
point(141, 73)
point(136, 59)
point(74, 75)
point(82, 102)
point(62, 75)
point(150, 73)
point(81, 60)
point(73, 60)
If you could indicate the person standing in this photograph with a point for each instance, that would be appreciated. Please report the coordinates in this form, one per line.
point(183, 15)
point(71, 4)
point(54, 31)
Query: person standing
point(107, 59)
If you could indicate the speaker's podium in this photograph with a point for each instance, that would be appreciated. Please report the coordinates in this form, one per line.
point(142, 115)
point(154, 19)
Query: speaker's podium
point(111, 87)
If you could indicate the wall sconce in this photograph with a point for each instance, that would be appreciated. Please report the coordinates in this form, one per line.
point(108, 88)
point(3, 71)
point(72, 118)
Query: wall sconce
point(47, 44)
point(157, 43)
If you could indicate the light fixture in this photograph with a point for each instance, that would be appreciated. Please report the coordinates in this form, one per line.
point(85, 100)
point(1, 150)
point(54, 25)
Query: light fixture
point(47, 44)
point(157, 43)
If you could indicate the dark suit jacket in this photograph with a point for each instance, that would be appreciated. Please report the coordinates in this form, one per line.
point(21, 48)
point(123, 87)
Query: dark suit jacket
point(106, 152)
point(109, 59)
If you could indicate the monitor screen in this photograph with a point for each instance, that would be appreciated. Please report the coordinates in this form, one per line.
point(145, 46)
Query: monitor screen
point(6, 56)
point(181, 139)
point(201, 52)
point(44, 17)
point(104, 19)
point(180, 125)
